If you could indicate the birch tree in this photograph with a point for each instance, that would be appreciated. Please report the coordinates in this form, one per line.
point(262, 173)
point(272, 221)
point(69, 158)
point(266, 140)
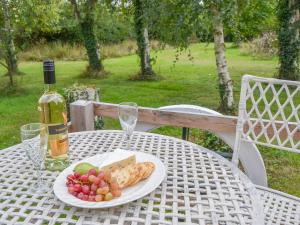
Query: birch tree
point(185, 18)
point(142, 37)
point(230, 11)
point(177, 21)
point(225, 81)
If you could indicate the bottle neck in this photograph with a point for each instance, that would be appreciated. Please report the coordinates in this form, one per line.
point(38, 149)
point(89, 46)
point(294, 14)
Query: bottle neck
point(49, 87)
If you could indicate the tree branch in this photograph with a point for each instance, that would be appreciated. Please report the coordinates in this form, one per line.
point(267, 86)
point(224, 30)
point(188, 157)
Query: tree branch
point(76, 10)
point(4, 65)
point(90, 4)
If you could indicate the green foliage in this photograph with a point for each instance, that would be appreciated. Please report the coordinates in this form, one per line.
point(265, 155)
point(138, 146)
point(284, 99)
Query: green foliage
point(289, 43)
point(179, 22)
point(248, 19)
point(264, 47)
point(31, 17)
point(18, 18)
point(175, 22)
point(212, 142)
point(38, 21)
point(113, 26)
point(110, 27)
point(66, 29)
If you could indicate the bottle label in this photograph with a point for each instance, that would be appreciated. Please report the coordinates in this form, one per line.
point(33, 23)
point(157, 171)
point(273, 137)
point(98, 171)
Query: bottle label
point(57, 129)
point(58, 140)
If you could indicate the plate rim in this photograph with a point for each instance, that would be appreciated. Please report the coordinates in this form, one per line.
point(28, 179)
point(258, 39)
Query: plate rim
point(95, 205)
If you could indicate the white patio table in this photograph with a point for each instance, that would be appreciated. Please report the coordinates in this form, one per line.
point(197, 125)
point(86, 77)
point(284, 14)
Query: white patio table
point(200, 187)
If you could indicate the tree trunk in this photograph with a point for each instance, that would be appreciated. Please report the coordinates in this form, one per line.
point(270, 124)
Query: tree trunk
point(86, 24)
point(225, 82)
point(142, 41)
point(146, 65)
point(10, 50)
point(90, 43)
point(288, 37)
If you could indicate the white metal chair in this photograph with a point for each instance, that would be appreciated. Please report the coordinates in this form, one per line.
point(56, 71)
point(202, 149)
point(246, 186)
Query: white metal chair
point(251, 159)
point(269, 112)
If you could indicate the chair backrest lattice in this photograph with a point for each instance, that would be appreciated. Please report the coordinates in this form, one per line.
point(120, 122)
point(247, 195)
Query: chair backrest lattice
point(269, 114)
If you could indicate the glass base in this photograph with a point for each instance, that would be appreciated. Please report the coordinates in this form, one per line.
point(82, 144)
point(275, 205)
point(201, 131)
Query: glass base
point(40, 188)
point(56, 164)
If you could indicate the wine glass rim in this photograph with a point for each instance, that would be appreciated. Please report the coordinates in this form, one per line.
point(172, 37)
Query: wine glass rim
point(128, 104)
point(24, 128)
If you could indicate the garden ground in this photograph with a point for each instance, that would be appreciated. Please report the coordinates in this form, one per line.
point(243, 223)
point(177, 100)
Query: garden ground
point(185, 82)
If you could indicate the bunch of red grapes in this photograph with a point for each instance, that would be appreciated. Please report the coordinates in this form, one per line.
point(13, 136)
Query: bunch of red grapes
point(93, 186)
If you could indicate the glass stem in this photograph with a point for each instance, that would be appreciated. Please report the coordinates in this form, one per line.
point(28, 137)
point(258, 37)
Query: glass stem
point(39, 177)
point(127, 137)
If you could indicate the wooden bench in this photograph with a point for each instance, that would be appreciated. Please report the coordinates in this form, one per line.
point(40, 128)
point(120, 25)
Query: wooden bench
point(83, 112)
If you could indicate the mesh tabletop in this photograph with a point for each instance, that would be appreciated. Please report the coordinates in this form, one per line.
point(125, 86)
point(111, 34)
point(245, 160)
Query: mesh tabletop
point(200, 187)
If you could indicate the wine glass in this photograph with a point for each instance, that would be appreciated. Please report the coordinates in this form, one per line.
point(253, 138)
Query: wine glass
point(128, 114)
point(34, 138)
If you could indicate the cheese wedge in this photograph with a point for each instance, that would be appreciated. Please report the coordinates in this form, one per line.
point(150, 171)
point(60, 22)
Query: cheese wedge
point(118, 161)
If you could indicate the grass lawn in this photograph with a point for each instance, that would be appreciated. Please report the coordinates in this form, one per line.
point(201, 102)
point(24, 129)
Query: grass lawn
point(188, 82)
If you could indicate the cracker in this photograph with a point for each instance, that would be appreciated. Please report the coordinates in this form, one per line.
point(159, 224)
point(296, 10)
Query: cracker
point(141, 168)
point(134, 174)
point(149, 168)
point(122, 177)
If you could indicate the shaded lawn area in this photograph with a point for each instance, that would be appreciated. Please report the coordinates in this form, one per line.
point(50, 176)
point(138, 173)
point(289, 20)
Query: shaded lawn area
point(188, 82)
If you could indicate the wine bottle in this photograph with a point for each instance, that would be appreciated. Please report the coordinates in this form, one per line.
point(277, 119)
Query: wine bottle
point(52, 107)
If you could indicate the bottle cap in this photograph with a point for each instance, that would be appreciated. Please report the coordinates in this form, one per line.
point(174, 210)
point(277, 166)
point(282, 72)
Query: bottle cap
point(49, 71)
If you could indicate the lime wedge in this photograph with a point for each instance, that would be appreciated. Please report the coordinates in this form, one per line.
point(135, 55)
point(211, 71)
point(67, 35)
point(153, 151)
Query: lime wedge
point(84, 168)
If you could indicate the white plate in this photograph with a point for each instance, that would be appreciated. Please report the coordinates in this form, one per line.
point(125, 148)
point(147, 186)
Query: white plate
point(128, 194)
